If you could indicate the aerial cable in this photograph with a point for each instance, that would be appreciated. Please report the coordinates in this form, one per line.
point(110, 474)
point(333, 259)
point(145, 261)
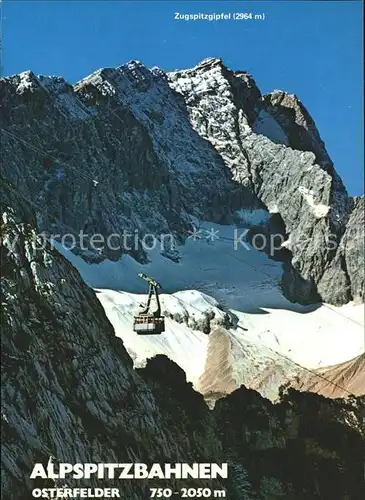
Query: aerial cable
point(47, 155)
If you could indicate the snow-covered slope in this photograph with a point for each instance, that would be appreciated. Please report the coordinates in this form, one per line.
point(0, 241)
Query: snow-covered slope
point(268, 336)
point(180, 343)
point(136, 150)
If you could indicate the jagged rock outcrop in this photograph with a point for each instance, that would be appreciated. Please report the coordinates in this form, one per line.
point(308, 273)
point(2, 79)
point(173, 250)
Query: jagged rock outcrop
point(132, 149)
point(285, 450)
point(298, 125)
point(354, 248)
point(205, 322)
point(345, 273)
point(272, 146)
point(137, 150)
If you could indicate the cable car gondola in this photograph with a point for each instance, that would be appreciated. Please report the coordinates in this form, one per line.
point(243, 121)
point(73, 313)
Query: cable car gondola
point(147, 322)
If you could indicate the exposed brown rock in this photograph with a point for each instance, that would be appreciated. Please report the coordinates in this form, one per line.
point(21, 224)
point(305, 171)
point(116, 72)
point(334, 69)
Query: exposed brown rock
point(337, 381)
point(217, 376)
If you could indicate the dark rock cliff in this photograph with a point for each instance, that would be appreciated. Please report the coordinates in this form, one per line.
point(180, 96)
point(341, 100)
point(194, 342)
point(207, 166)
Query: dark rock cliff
point(272, 146)
point(69, 392)
point(300, 448)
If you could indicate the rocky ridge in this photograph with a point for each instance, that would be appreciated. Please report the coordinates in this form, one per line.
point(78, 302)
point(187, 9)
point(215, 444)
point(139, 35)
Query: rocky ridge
point(132, 149)
point(272, 146)
point(121, 153)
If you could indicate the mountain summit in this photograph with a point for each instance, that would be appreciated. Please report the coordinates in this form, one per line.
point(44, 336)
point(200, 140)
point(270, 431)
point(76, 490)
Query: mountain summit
point(165, 148)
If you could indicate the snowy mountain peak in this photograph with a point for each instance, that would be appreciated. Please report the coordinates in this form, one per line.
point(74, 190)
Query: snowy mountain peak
point(132, 156)
point(210, 62)
point(22, 83)
point(204, 65)
point(166, 149)
point(133, 63)
point(28, 82)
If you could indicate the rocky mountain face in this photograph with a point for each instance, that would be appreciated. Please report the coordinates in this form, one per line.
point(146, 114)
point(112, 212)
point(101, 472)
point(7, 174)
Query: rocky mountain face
point(119, 151)
point(70, 394)
point(138, 150)
point(273, 147)
point(69, 390)
point(345, 274)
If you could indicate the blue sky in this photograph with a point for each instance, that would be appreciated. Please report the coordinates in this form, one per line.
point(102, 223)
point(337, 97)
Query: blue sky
point(312, 49)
